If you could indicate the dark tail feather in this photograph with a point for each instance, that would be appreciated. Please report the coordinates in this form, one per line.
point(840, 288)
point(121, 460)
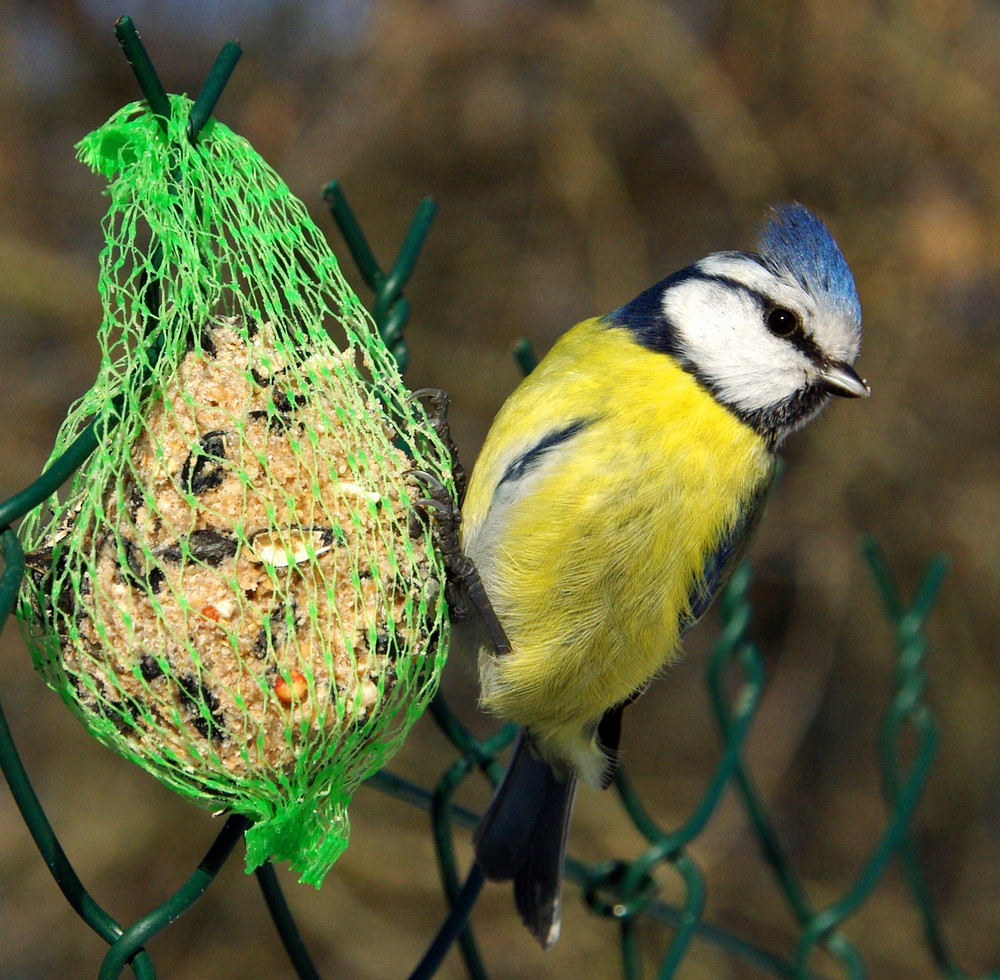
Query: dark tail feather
point(522, 837)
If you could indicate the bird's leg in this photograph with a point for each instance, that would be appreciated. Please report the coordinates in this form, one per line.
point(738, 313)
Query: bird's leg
point(436, 401)
point(609, 733)
point(464, 586)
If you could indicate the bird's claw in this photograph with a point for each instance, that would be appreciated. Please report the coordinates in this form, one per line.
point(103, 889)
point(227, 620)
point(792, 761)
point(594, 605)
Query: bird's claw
point(436, 402)
point(464, 587)
point(447, 520)
point(440, 499)
point(437, 398)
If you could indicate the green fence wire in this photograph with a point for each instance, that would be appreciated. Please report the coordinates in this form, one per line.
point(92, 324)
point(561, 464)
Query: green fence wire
point(624, 890)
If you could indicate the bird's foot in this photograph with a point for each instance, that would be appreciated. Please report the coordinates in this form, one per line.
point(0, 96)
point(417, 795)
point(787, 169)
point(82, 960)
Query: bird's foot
point(436, 403)
point(464, 587)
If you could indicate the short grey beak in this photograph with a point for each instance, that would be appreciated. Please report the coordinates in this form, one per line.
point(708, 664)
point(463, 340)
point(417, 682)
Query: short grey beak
point(843, 380)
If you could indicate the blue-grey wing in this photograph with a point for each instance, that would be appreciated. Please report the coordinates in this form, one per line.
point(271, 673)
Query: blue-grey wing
point(726, 558)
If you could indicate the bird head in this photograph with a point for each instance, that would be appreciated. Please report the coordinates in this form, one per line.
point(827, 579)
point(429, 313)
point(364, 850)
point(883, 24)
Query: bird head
point(772, 334)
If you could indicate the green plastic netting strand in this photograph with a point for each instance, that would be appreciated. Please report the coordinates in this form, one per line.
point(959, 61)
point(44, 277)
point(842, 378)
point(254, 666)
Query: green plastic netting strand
point(237, 591)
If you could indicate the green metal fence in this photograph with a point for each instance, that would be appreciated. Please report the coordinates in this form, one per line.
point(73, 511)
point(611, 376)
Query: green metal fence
point(623, 890)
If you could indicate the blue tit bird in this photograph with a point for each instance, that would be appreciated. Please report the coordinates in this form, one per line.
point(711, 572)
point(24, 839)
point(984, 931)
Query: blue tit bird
point(617, 490)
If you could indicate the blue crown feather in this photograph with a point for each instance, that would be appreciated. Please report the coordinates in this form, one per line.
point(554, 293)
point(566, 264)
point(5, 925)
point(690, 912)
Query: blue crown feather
point(796, 242)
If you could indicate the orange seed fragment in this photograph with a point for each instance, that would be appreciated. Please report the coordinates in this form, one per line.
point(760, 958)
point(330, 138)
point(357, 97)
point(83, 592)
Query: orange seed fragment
point(293, 689)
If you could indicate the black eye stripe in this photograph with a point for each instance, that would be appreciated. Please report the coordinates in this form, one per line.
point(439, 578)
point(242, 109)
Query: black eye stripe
point(801, 341)
point(798, 338)
point(644, 315)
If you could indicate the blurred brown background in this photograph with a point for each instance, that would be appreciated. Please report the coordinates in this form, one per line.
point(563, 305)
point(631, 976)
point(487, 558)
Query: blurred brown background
point(579, 151)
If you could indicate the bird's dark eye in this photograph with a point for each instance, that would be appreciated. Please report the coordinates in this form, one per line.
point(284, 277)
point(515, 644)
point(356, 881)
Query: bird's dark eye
point(783, 322)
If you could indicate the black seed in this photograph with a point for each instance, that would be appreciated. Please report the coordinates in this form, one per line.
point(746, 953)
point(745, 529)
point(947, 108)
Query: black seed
point(202, 470)
point(188, 685)
point(204, 334)
point(120, 709)
point(217, 725)
point(210, 698)
point(260, 378)
point(134, 569)
point(211, 547)
point(214, 443)
point(135, 500)
point(259, 648)
point(251, 327)
point(207, 343)
point(382, 645)
point(38, 565)
point(149, 667)
point(121, 714)
point(192, 696)
point(271, 638)
point(171, 553)
point(277, 423)
point(284, 402)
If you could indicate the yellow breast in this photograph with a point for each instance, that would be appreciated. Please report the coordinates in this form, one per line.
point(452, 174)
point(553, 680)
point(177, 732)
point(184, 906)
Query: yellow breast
point(591, 553)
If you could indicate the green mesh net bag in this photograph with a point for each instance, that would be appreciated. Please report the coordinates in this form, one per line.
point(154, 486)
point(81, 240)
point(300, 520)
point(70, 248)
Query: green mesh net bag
point(237, 592)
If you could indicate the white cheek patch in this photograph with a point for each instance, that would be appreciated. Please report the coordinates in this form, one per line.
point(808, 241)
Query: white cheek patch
point(722, 331)
point(837, 336)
